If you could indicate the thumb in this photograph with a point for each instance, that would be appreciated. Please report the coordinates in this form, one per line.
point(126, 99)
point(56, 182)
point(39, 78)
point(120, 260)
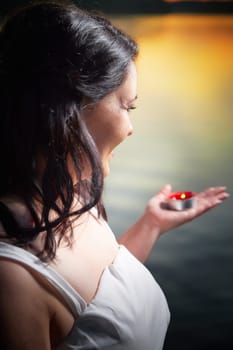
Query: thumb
point(165, 191)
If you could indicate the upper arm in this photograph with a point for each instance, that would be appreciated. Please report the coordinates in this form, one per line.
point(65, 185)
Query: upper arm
point(24, 315)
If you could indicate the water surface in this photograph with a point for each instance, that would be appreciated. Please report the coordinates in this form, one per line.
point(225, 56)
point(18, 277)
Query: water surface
point(183, 135)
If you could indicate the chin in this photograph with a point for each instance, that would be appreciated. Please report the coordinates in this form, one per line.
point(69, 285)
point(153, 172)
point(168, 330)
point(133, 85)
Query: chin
point(106, 170)
point(106, 173)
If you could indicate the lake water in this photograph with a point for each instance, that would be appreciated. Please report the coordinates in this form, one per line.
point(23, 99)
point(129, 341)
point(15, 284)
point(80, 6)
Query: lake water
point(183, 135)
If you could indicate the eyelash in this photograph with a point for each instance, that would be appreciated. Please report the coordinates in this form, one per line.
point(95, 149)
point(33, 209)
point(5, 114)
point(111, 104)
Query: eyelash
point(131, 108)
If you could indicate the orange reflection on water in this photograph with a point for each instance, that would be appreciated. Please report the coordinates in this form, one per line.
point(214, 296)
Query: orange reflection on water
point(185, 68)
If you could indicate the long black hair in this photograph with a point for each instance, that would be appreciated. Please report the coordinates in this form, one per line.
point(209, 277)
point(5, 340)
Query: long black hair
point(52, 56)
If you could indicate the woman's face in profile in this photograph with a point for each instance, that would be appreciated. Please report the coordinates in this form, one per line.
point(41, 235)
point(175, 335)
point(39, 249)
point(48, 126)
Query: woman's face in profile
point(108, 121)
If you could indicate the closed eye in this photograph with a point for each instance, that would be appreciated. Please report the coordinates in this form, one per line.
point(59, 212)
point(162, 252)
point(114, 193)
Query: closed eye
point(131, 108)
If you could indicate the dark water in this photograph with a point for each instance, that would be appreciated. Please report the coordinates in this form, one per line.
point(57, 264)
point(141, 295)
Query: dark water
point(183, 135)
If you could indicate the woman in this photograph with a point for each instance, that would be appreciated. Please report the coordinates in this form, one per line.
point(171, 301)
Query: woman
point(68, 82)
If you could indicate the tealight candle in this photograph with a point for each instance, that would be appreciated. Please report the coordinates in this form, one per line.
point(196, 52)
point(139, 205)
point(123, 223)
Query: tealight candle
point(181, 200)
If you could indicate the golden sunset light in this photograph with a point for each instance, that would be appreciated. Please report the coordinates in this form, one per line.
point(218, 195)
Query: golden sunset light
point(198, 1)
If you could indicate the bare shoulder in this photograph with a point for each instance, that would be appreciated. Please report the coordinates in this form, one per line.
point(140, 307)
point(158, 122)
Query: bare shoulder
point(24, 311)
point(16, 280)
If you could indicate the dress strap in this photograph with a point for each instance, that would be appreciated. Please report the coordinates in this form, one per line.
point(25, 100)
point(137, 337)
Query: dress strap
point(76, 303)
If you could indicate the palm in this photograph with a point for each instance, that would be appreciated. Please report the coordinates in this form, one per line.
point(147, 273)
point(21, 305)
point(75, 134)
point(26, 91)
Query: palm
point(169, 219)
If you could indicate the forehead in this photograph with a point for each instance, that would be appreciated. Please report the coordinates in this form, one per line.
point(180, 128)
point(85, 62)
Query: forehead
point(131, 76)
point(129, 85)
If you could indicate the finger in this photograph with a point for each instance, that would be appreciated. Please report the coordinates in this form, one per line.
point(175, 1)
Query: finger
point(205, 204)
point(165, 190)
point(223, 195)
point(215, 190)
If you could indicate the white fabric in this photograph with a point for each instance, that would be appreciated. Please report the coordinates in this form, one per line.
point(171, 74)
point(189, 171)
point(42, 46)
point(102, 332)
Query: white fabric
point(129, 311)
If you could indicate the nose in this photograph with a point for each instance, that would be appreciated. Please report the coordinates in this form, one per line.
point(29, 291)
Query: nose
point(130, 130)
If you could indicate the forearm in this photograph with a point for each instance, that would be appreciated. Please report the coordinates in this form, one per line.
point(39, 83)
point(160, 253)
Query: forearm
point(156, 220)
point(140, 238)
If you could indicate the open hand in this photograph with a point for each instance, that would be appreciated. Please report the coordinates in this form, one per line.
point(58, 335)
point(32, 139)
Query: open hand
point(166, 219)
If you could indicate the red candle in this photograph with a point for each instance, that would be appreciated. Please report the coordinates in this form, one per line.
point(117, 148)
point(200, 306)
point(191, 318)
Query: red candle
point(181, 200)
point(182, 195)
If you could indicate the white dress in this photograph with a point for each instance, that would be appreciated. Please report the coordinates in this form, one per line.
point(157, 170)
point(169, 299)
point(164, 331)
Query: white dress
point(128, 312)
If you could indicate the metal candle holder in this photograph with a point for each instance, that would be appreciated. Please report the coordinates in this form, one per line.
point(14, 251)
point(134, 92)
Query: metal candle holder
point(181, 200)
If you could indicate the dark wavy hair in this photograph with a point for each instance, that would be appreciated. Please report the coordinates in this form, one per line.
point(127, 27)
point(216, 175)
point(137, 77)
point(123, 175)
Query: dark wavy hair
point(53, 55)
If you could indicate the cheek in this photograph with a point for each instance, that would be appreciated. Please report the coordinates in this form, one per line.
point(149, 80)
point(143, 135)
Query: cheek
point(108, 132)
point(114, 133)
point(108, 128)
point(108, 138)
